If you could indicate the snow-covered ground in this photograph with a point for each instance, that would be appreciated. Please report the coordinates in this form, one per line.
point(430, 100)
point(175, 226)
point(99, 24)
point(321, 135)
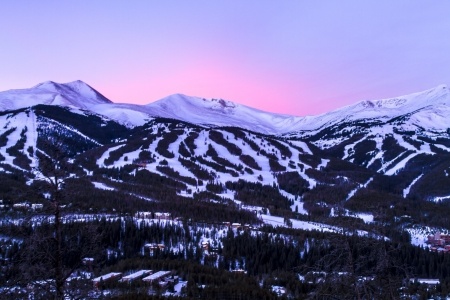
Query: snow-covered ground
point(428, 109)
point(353, 192)
point(280, 222)
point(419, 234)
point(439, 199)
point(406, 190)
point(102, 186)
point(366, 217)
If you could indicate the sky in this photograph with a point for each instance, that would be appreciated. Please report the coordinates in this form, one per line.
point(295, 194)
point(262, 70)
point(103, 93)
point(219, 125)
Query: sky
point(290, 56)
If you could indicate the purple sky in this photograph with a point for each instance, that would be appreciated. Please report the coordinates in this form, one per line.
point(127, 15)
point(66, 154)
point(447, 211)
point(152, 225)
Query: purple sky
point(293, 57)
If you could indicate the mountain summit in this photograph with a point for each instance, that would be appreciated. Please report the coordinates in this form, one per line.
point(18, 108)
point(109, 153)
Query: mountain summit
point(429, 109)
point(75, 94)
point(357, 159)
point(219, 112)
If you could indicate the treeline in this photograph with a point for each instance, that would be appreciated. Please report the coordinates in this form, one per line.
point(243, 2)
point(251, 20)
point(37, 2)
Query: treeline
point(167, 139)
point(260, 253)
point(203, 282)
point(93, 126)
point(261, 195)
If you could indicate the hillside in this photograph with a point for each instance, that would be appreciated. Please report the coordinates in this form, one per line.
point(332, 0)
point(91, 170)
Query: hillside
point(200, 142)
point(377, 168)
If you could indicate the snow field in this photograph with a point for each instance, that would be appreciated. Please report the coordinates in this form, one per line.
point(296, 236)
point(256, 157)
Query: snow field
point(105, 155)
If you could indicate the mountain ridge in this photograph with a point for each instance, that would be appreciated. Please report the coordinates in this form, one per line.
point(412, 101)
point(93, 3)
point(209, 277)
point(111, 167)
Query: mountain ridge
point(352, 164)
point(75, 94)
point(428, 108)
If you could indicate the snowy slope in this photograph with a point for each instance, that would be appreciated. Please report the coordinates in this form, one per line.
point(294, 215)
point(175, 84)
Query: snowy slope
point(429, 109)
point(219, 112)
point(73, 94)
point(19, 127)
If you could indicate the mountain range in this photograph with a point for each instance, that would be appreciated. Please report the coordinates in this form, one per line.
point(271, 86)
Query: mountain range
point(364, 158)
point(428, 109)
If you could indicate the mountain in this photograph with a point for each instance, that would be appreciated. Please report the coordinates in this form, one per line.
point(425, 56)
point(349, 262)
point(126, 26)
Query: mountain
point(75, 94)
point(422, 112)
point(333, 199)
point(425, 110)
point(363, 159)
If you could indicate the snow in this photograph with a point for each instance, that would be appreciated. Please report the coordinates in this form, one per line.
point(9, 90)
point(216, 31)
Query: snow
point(73, 94)
point(279, 221)
point(302, 145)
point(323, 164)
point(102, 186)
point(20, 122)
point(136, 275)
point(419, 234)
point(348, 150)
point(400, 165)
point(105, 155)
point(429, 109)
point(406, 190)
point(71, 129)
point(304, 225)
point(366, 217)
point(298, 207)
point(403, 143)
point(129, 115)
point(106, 276)
point(156, 275)
point(438, 199)
point(388, 163)
point(353, 192)
point(279, 290)
point(427, 281)
point(179, 286)
point(379, 153)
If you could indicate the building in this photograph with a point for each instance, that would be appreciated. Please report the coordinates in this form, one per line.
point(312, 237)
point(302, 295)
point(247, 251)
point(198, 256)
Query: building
point(136, 275)
point(37, 206)
point(106, 278)
point(156, 277)
point(21, 206)
point(152, 215)
point(88, 261)
point(162, 216)
point(438, 239)
point(236, 225)
point(152, 247)
point(226, 224)
point(143, 215)
point(205, 245)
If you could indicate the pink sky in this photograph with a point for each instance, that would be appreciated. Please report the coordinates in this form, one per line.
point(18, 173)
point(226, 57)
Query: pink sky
point(292, 57)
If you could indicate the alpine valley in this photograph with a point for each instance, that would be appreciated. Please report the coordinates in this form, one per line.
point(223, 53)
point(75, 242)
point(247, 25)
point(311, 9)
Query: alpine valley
point(241, 203)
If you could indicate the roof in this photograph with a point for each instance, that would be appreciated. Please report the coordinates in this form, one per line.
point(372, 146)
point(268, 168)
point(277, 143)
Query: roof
point(137, 274)
point(156, 275)
point(427, 280)
point(106, 276)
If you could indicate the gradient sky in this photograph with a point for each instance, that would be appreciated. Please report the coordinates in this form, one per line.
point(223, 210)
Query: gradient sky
point(293, 57)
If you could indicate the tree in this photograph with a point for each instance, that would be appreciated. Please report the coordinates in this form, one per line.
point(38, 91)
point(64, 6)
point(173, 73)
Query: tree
point(359, 268)
point(53, 247)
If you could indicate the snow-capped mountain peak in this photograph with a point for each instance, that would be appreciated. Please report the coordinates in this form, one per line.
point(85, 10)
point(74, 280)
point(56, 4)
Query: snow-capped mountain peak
point(75, 94)
point(219, 112)
point(428, 109)
point(432, 102)
point(437, 95)
point(189, 102)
